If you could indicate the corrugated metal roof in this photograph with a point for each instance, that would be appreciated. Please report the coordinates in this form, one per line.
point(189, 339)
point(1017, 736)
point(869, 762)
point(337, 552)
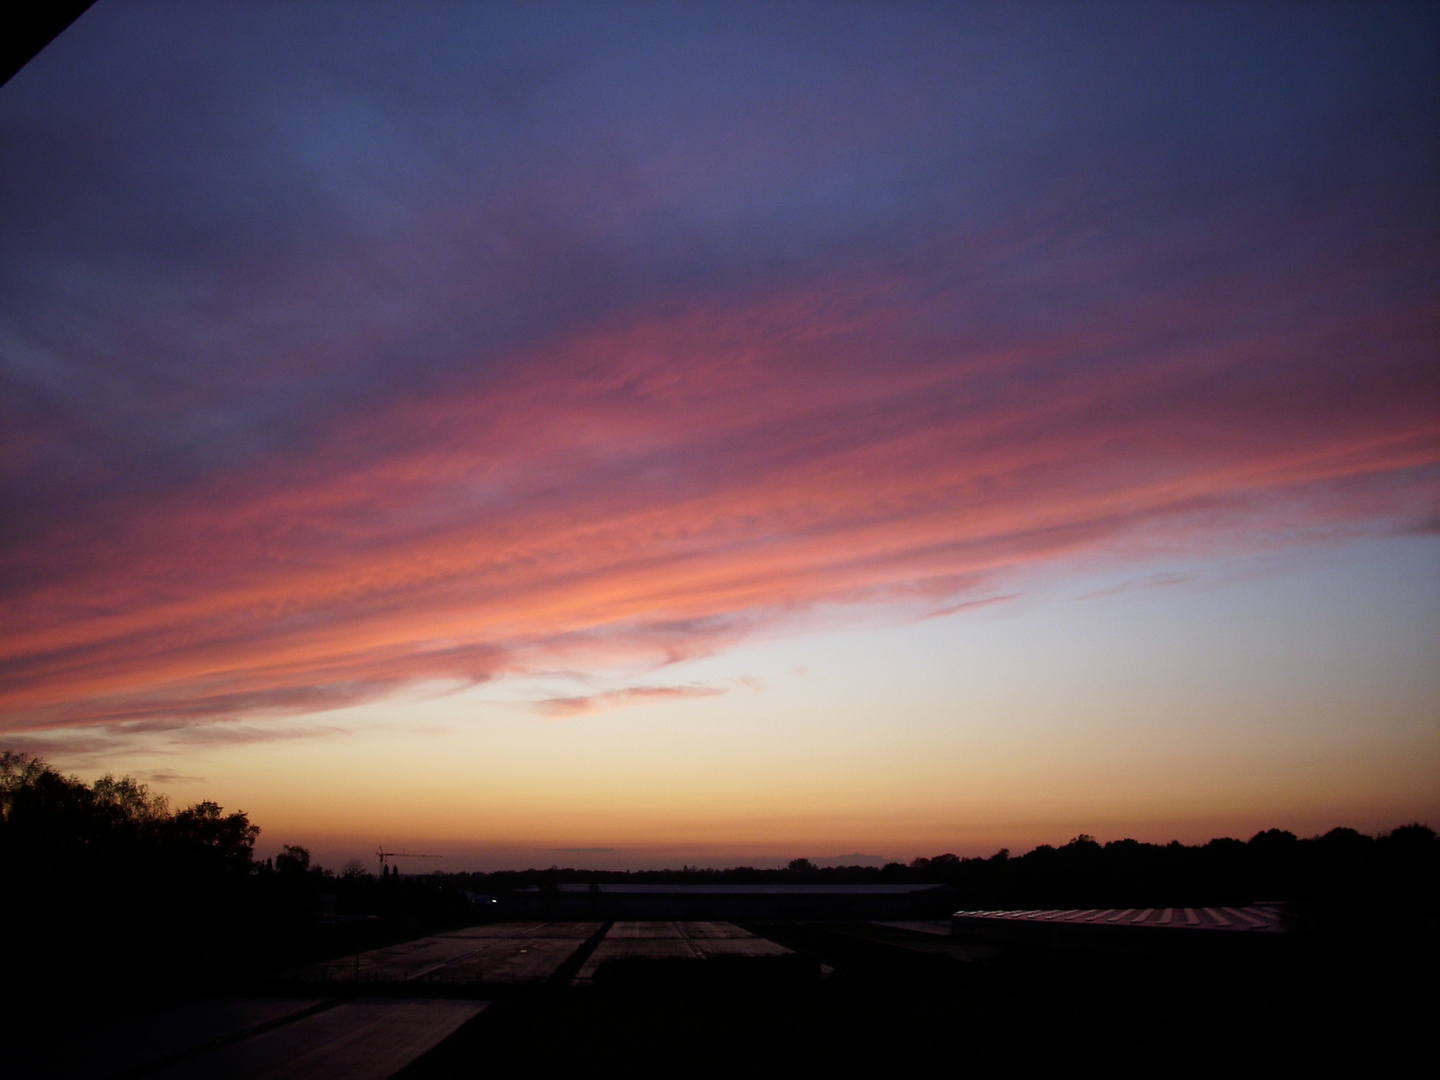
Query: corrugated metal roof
point(1262, 918)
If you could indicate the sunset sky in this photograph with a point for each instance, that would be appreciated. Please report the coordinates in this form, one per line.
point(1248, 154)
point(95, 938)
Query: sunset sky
point(634, 434)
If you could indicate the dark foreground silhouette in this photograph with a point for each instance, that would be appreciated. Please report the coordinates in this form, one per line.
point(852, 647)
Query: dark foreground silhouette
point(109, 896)
point(107, 893)
point(1042, 1019)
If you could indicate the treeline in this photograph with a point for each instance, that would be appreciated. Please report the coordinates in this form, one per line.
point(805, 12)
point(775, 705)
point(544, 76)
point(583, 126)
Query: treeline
point(104, 888)
point(1401, 867)
point(1341, 866)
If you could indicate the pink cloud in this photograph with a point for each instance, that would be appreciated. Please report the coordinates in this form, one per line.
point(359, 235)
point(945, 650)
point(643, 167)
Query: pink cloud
point(663, 486)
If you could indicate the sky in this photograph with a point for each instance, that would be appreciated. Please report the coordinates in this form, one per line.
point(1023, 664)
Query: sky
point(639, 434)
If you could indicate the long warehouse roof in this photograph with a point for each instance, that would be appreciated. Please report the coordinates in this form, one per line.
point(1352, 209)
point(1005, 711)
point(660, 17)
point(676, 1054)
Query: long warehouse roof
point(1264, 918)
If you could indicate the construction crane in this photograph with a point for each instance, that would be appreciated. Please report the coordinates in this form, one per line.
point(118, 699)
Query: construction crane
point(383, 854)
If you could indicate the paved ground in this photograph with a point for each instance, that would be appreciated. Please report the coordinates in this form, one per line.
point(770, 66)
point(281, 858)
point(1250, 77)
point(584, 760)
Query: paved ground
point(129, 1044)
point(253, 1039)
point(356, 1040)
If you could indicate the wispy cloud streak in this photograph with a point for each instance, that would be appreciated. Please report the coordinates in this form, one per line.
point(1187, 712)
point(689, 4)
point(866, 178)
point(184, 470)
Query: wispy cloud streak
point(561, 707)
point(91, 745)
point(612, 393)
